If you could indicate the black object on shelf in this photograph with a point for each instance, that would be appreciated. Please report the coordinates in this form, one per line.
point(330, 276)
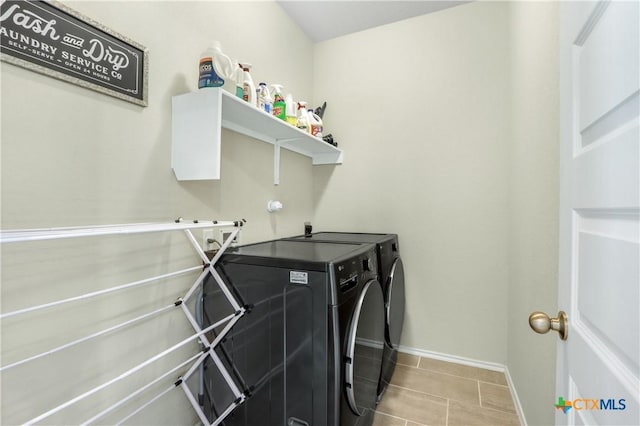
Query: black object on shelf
point(320, 110)
point(329, 139)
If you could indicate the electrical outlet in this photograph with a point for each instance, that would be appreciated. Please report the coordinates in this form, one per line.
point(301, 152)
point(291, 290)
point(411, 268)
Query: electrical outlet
point(208, 238)
point(212, 239)
point(226, 234)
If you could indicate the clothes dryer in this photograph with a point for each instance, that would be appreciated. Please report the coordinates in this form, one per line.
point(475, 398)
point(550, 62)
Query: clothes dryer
point(297, 352)
point(391, 277)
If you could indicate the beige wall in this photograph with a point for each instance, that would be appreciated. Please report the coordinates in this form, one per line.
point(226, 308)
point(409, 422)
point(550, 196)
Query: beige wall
point(421, 110)
point(447, 122)
point(533, 209)
point(71, 156)
point(457, 114)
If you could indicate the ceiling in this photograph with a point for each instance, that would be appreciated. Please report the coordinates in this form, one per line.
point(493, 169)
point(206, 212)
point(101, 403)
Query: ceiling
point(323, 20)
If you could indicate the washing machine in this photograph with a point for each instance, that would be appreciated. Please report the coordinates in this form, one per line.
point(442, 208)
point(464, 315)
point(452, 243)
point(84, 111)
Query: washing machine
point(308, 350)
point(391, 277)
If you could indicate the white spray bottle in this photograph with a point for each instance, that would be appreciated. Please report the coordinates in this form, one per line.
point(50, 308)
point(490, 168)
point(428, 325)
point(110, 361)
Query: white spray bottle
point(303, 117)
point(239, 77)
point(248, 88)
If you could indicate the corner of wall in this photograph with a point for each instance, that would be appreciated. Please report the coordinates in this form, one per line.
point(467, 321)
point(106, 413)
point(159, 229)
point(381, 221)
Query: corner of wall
point(533, 203)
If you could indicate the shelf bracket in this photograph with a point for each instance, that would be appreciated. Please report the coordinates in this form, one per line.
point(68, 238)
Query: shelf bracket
point(276, 163)
point(276, 158)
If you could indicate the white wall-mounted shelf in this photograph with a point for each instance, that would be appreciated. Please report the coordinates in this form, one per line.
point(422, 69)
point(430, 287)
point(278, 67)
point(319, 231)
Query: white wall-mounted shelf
point(197, 118)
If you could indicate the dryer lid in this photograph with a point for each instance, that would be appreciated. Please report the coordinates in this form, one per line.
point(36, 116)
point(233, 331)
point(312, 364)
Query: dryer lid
point(295, 253)
point(348, 237)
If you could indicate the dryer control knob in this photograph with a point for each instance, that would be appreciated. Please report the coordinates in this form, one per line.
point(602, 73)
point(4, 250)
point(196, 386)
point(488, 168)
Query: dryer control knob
point(367, 265)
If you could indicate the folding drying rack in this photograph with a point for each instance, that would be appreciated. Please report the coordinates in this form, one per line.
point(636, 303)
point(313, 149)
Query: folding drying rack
point(181, 372)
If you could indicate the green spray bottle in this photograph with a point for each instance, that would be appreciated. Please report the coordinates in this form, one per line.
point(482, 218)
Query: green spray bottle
point(279, 104)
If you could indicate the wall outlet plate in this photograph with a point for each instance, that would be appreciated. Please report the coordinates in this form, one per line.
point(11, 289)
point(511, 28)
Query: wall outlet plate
point(226, 234)
point(214, 238)
point(209, 237)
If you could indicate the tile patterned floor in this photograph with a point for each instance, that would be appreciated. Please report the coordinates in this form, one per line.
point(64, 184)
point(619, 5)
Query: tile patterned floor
point(425, 391)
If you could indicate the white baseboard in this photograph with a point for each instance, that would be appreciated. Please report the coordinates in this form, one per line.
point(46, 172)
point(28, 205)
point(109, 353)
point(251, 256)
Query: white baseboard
point(514, 395)
point(494, 366)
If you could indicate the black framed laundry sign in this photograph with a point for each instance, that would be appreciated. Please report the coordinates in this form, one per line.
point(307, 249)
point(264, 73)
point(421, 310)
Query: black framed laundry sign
point(50, 38)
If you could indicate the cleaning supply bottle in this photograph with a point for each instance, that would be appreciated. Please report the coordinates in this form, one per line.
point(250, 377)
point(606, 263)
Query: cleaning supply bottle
point(214, 67)
point(265, 101)
point(279, 105)
point(248, 88)
point(291, 114)
point(303, 117)
point(315, 124)
point(239, 77)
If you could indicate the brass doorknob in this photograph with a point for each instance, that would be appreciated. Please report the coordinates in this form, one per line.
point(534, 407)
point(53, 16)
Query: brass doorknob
point(541, 323)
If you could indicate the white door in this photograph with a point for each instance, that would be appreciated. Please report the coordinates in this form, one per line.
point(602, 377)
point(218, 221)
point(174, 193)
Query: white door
point(598, 365)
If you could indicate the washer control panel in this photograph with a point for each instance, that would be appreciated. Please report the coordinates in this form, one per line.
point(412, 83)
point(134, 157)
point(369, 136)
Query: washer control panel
point(351, 273)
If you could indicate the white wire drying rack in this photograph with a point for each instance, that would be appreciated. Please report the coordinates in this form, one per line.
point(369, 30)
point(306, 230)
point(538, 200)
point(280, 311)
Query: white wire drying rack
point(181, 372)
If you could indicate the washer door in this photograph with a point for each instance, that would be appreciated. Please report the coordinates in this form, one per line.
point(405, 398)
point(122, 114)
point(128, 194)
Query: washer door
point(365, 342)
point(394, 297)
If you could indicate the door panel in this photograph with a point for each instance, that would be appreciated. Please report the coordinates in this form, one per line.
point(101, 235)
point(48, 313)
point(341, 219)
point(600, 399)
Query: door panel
point(600, 213)
point(612, 264)
point(607, 76)
point(596, 377)
point(603, 172)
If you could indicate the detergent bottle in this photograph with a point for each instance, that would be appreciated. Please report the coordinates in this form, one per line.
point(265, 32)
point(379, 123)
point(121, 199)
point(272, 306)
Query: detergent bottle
point(214, 67)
